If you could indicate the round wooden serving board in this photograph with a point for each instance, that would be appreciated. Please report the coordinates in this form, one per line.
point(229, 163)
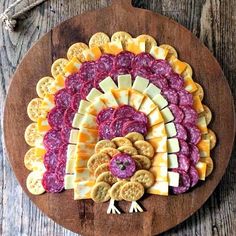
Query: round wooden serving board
point(161, 213)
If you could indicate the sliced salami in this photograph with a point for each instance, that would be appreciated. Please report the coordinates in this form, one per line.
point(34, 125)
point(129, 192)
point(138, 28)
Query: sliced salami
point(134, 126)
point(193, 174)
point(105, 131)
point(177, 113)
point(62, 98)
point(50, 159)
point(190, 115)
point(51, 183)
point(185, 98)
point(85, 89)
point(99, 78)
point(171, 95)
point(184, 162)
point(75, 101)
point(194, 134)
point(175, 81)
point(65, 133)
point(124, 111)
point(52, 139)
point(184, 148)
point(184, 182)
point(55, 118)
point(194, 154)
point(124, 60)
point(181, 132)
point(105, 63)
point(104, 115)
point(140, 116)
point(160, 81)
point(114, 73)
point(161, 67)
point(88, 71)
point(144, 72)
point(62, 154)
point(69, 116)
point(73, 83)
point(143, 60)
point(61, 171)
point(117, 125)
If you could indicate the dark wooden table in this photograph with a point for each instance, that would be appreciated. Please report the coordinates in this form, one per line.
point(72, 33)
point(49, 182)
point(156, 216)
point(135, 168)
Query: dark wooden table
point(214, 22)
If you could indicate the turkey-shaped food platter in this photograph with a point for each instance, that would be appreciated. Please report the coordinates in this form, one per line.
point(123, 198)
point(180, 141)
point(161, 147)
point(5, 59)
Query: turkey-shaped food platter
point(116, 121)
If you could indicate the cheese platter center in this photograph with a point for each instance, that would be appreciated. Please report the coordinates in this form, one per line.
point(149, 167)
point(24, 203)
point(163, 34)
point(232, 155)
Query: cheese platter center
point(143, 106)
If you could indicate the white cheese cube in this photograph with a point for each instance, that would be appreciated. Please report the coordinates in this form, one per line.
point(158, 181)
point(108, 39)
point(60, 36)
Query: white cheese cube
point(167, 115)
point(83, 106)
point(152, 90)
point(170, 130)
point(173, 161)
point(93, 94)
point(74, 133)
point(173, 145)
point(124, 81)
point(107, 84)
point(160, 101)
point(69, 181)
point(173, 179)
point(140, 84)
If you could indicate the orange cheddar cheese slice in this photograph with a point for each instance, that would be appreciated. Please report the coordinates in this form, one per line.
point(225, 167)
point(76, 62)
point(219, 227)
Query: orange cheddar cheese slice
point(42, 125)
point(204, 148)
point(197, 104)
point(160, 173)
point(202, 125)
point(84, 148)
point(156, 131)
point(114, 47)
point(82, 189)
point(58, 84)
point(155, 117)
point(136, 46)
point(48, 102)
point(160, 159)
point(88, 135)
point(72, 66)
point(121, 96)
point(92, 54)
point(159, 144)
point(135, 99)
point(109, 100)
point(159, 53)
point(177, 65)
point(83, 174)
point(96, 107)
point(81, 161)
point(189, 84)
point(201, 169)
point(147, 106)
point(84, 121)
point(40, 152)
point(159, 188)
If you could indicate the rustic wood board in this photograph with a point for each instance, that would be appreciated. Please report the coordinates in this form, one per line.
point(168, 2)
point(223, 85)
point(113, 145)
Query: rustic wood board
point(84, 216)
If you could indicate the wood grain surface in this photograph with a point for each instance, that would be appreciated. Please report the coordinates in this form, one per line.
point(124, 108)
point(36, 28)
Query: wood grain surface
point(18, 216)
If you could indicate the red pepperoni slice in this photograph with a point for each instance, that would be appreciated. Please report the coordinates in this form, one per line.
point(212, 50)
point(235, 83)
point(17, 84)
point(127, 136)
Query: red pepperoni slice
point(61, 171)
point(124, 60)
point(105, 131)
point(134, 126)
point(51, 183)
point(193, 174)
point(88, 71)
point(160, 81)
point(100, 77)
point(104, 115)
point(143, 60)
point(124, 111)
point(50, 159)
point(55, 118)
point(85, 89)
point(194, 134)
point(116, 126)
point(62, 98)
point(171, 95)
point(194, 154)
point(114, 73)
point(140, 116)
point(65, 133)
point(175, 81)
point(177, 113)
point(184, 148)
point(190, 115)
point(73, 83)
point(52, 139)
point(69, 116)
point(161, 67)
point(181, 132)
point(105, 63)
point(184, 162)
point(62, 154)
point(144, 72)
point(185, 98)
point(75, 101)
point(184, 182)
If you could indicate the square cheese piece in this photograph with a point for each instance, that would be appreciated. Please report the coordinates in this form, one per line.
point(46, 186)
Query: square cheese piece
point(82, 189)
point(121, 96)
point(69, 181)
point(170, 130)
point(156, 131)
point(109, 100)
point(159, 188)
point(172, 161)
point(147, 106)
point(155, 117)
point(167, 115)
point(74, 133)
point(93, 94)
point(83, 106)
point(160, 173)
point(85, 149)
point(160, 159)
point(135, 99)
point(159, 144)
point(140, 84)
point(124, 81)
point(152, 90)
point(173, 145)
point(173, 179)
point(160, 101)
point(158, 53)
point(107, 84)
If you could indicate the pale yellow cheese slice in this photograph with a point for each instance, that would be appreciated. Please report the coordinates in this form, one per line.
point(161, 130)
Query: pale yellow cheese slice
point(140, 84)
point(147, 106)
point(201, 169)
point(155, 117)
point(72, 66)
point(160, 173)
point(167, 115)
point(159, 188)
point(83, 106)
point(109, 100)
point(69, 181)
point(84, 149)
point(173, 179)
point(93, 94)
point(96, 106)
point(74, 134)
point(121, 96)
point(70, 160)
point(81, 161)
point(170, 130)
point(189, 84)
point(124, 81)
point(160, 159)
point(83, 174)
point(172, 161)
point(159, 144)
point(48, 102)
point(135, 99)
point(82, 189)
point(197, 104)
point(158, 53)
point(152, 90)
point(156, 131)
point(107, 84)
point(173, 145)
point(84, 121)
point(160, 101)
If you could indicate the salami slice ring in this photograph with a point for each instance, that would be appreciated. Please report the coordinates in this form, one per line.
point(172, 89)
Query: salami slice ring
point(132, 191)
point(115, 191)
point(32, 135)
point(44, 86)
point(99, 39)
point(76, 50)
point(34, 183)
point(104, 144)
point(52, 183)
point(134, 136)
point(34, 109)
point(104, 115)
point(96, 160)
point(107, 177)
point(184, 162)
point(144, 177)
point(58, 67)
point(149, 41)
point(144, 148)
point(121, 36)
point(100, 192)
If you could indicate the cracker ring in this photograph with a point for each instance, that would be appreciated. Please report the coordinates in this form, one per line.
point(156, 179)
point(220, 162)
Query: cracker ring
point(107, 177)
point(100, 169)
point(31, 159)
point(144, 148)
point(104, 144)
point(207, 114)
point(144, 177)
point(121, 36)
point(76, 50)
point(144, 161)
point(99, 39)
point(96, 160)
point(34, 109)
point(132, 191)
point(110, 151)
point(57, 67)
point(212, 137)
point(44, 85)
point(121, 141)
point(115, 191)
point(128, 149)
point(199, 92)
point(171, 50)
point(149, 41)
point(134, 136)
point(34, 183)
point(100, 192)
point(32, 135)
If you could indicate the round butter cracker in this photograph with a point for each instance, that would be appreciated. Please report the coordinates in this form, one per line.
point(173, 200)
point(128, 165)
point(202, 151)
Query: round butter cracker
point(107, 177)
point(199, 92)
point(143, 177)
point(76, 50)
point(34, 109)
point(99, 39)
point(110, 151)
point(100, 169)
point(34, 183)
point(121, 141)
point(96, 160)
point(134, 136)
point(104, 144)
point(57, 67)
point(32, 134)
point(31, 159)
point(115, 191)
point(100, 192)
point(121, 36)
point(149, 41)
point(132, 191)
point(144, 161)
point(128, 149)
point(44, 85)
point(144, 148)
point(171, 50)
